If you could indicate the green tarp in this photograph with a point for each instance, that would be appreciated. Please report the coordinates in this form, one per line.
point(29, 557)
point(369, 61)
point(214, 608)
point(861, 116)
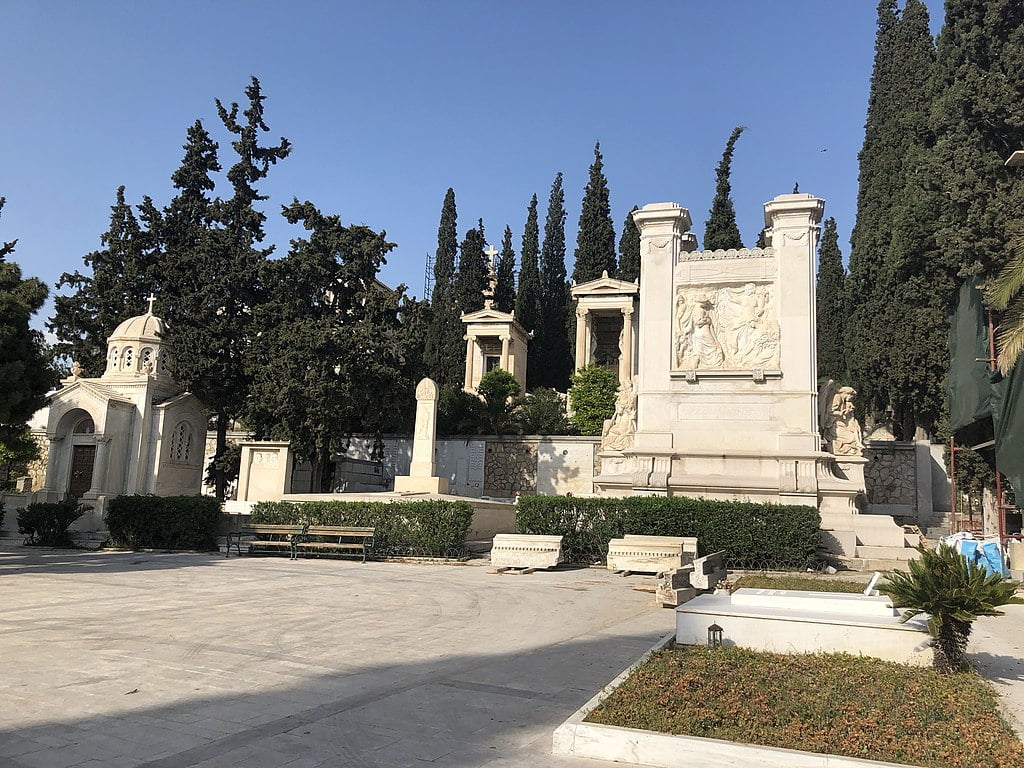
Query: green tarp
point(984, 406)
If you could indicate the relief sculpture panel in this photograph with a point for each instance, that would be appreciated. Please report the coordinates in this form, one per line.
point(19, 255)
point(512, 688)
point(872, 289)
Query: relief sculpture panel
point(725, 327)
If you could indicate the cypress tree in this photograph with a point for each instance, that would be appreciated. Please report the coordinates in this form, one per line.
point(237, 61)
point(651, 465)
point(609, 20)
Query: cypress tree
point(122, 274)
point(505, 290)
point(471, 280)
point(831, 309)
point(595, 239)
point(721, 230)
point(552, 347)
point(528, 293)
point(629, 249)
point(444, 356)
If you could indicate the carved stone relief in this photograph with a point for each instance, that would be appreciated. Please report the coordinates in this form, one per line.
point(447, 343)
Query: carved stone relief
point(620, 429)
point(730, 327)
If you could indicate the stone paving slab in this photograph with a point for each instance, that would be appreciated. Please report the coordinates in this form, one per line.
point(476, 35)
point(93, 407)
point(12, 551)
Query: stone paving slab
point(168, 661)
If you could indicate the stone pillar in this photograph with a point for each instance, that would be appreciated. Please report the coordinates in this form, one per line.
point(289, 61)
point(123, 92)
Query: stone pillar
point(421, 478)
point(582, 347)
point(506, 342)
point(99, 467)
point(468, 386)
point(626, 353)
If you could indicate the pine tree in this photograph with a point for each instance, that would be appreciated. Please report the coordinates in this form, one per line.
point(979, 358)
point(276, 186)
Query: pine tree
point(25, 376)
point(471, 280)
point(552, 356)
point(528, 294)
point(505, 290)
point(721, 230)
point(122, 273)
point(210, 311)
point(444, 356)
point(595, 239)
point(831, 309)
point(629, 249)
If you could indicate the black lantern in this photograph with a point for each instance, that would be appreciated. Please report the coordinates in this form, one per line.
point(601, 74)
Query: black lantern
point(714, 636)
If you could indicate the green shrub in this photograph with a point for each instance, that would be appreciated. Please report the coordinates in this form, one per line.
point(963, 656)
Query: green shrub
point(752, 535)
point(592, 396)
point(432, 528)
point(542, 412)
point(164, 522)
point(46, 523)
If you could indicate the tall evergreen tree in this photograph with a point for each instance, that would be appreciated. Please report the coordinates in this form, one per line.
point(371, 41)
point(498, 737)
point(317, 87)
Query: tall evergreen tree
point(595, 239)
point(831, 308)
point(505, 290)
point(629, 249)
point(721, 230)
point(552, 353)
point(445, 350)
point(25, 375)
point(528, 292)
point(471, 280)
point(210, 306)
point(122, 273)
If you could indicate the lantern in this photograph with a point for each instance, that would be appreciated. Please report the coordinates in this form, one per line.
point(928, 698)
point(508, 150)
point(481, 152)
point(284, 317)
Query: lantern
point(714, 636)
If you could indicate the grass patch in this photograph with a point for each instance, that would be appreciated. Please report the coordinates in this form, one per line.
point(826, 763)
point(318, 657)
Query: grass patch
point(830, 703)
point(805, 583)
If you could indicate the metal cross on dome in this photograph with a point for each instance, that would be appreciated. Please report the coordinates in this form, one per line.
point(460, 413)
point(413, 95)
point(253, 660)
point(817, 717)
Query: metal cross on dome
point(152, 300)
point(491, 253)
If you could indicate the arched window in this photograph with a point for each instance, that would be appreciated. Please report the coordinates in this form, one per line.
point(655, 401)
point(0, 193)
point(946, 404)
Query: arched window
point(129, 354)
point(84, 427)
point(146, 358)
point(113, 358)
point(162, 367)
point(181, 443)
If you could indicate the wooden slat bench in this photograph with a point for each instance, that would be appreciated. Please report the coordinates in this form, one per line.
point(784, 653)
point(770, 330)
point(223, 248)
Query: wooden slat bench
point(336, 538)
point(272, 538)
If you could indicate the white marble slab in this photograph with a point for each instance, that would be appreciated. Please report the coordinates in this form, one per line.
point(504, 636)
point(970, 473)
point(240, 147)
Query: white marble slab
point(816, 602)
point(688, 543)
point(649, 554)
point(520, 550)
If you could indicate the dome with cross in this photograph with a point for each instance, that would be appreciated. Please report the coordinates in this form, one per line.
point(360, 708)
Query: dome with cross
point(136, 346)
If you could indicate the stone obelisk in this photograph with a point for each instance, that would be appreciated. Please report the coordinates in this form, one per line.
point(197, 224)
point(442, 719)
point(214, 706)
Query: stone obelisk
point(421, 477)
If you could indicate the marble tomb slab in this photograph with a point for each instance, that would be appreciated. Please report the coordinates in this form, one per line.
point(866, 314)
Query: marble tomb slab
point(648, 554)
point(520, 550)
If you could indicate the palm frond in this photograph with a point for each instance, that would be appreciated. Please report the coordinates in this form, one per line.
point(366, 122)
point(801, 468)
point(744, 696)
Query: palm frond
point(1010, 280)
point(1010, 337)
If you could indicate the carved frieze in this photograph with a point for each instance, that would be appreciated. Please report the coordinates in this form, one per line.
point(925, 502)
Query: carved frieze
point(725, 327)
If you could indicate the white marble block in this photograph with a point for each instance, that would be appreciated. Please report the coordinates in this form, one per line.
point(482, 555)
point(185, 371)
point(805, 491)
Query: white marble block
point(674, 587)
point(521, 550)
point(688, 543)
point(647, 554)
point(708, 571)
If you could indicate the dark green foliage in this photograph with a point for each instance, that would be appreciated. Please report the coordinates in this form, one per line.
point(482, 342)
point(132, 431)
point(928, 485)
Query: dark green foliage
point(459, 413)
point(505, 290)
point(445, 350)
point(629, 249)
point(123, 273)
point(16, 451)
point(750, 535)
point(46, 524)
point(164, 522)
point(471, 281)
point(542, 412)
point(595, 239)
point(432, 528)
point(25, 375)
point(331, 356)
point(528, 290)
point(551, 358)
point(229, 464)
point(953, 593)
point(593, 398)
point(499, 388)
point(721, 230)
point(831, 309)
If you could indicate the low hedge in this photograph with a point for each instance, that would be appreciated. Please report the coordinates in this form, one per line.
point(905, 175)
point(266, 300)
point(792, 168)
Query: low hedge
point(430, 528)
point(164, 522)
point(752, 535)
point(46, 523)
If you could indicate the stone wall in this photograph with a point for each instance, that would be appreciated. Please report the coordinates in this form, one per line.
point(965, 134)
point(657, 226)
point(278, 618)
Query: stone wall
point(510, 467)
point(890, 477)
point(37, 468)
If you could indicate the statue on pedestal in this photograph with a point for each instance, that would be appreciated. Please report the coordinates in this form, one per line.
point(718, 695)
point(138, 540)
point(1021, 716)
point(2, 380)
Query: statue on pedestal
point(619, 430)
point(839, 426)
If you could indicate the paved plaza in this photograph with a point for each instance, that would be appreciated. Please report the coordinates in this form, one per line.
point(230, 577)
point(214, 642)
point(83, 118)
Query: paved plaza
point(173, 660)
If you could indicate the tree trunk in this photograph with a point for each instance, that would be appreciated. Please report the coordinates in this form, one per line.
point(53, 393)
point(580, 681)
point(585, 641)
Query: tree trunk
point(950, 645)
point(220, 481)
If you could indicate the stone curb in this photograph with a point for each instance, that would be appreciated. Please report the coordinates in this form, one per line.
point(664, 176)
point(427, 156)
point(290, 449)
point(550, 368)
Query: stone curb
point(575, 738)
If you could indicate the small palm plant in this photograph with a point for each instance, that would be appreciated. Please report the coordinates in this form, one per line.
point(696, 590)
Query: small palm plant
point(1006, 292)
point(953, 592)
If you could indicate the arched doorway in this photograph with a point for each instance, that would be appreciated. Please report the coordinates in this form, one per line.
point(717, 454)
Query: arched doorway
point(83, 454)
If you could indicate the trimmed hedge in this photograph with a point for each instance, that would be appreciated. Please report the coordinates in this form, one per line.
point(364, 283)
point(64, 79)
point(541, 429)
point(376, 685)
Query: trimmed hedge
point(752, 535)
point(431, 528)
point(164, 522)
point(46, 523)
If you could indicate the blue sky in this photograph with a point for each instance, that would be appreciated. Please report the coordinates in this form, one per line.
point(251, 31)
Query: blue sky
point(388, 104)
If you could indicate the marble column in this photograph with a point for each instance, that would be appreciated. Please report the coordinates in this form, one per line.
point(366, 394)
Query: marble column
point(99, 467)
point(469, 364)
point(506, 343)
point(581, 337)
point(626, 353)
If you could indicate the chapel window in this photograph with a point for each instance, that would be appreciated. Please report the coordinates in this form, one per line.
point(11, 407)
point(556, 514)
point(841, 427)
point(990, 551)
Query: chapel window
point(162, 367)
point(85, 427)
point(113, 358)
point(146, 357)
point(129, 353)
point(181, 443)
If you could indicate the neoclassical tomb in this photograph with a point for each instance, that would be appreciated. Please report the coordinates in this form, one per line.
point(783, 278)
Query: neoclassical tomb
point(130, 430)
point(724, 400)
point(606, 324)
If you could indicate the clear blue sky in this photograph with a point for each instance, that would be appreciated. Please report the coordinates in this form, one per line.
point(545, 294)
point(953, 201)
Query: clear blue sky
point(388, 104)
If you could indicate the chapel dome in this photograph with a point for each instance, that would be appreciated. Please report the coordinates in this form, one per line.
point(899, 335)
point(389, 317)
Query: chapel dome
point(136, 347)
point(147, 327)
